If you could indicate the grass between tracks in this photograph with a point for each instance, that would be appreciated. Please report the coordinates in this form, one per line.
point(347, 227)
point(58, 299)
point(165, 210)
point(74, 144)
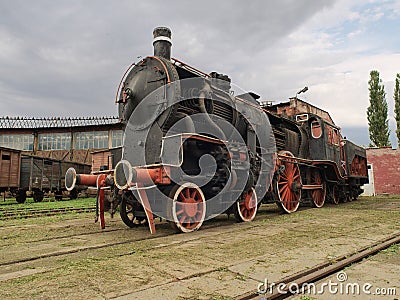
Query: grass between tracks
point(23, 209)
point(47, 203)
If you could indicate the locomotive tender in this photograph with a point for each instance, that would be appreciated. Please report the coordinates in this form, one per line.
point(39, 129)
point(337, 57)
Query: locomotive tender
point(193, 149)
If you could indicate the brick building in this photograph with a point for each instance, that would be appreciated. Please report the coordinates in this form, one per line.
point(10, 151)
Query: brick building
point(384, 166)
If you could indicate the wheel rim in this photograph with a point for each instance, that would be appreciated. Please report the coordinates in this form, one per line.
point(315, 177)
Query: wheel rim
point(127, 213)
point(188, 207)
point(21, 196)
point(38, 196)
point(344, 198)
point(288, 184)
point(247, 207)
point(335, 194)
point(73, 194)
point(318, 195)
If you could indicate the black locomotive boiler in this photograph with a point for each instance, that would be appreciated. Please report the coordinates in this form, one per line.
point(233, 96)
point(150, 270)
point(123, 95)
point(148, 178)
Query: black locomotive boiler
point(194, 149)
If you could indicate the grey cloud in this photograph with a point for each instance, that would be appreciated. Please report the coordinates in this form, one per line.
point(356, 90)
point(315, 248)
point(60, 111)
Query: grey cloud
point(67, 57)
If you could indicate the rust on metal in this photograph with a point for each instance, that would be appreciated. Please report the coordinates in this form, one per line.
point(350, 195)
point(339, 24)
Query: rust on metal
point(86, 179)
point(101, 185)
point(146, 204)
point(164, 66)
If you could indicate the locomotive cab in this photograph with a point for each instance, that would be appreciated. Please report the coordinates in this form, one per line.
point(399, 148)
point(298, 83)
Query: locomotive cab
point(324, 139)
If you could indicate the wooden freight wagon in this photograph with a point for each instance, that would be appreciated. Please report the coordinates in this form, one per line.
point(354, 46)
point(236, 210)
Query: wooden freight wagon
point(41, 175)
point(10, 161)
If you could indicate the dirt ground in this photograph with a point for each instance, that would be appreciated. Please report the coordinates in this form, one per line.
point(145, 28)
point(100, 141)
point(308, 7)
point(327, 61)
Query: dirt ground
point(70, 257)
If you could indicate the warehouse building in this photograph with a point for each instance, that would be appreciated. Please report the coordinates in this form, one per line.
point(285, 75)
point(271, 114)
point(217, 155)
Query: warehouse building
point(68, 139)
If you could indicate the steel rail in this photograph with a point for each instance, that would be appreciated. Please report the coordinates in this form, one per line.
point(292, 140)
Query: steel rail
point(32, 213)
point(322, 270)
point(146, 238)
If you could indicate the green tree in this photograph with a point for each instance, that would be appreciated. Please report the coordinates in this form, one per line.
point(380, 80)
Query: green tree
point(377, 112)
point(397, 107)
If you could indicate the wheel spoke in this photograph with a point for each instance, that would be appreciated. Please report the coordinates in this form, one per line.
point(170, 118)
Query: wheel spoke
point(183, 219)
point(284, 193)
point(181, 197)
point(127, 212)
point(290, 178)
point(318, 195)
point(188, 208)
point(245, 208)
point(285, 187)
point(290, 198)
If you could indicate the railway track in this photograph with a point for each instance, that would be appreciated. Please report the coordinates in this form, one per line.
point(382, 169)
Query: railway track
point(11, 205)
point(6, 214)
point(213, 223)
point(321, 271)
point(210, 224)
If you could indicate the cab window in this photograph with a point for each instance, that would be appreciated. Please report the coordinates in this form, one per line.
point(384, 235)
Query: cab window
point(316, 130)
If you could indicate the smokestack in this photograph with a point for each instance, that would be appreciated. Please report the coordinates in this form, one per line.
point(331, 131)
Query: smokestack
point(162, 42)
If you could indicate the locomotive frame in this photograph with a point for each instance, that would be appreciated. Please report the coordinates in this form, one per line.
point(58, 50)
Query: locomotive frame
point(309, 160)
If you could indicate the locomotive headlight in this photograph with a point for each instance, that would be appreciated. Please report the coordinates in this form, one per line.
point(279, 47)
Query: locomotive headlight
point(123, 174)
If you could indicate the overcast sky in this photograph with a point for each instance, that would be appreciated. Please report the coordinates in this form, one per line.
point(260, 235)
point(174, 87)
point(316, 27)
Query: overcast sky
point(65, 58)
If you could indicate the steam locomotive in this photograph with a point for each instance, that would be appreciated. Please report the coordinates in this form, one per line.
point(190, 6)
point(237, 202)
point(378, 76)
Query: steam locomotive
point(195, 148)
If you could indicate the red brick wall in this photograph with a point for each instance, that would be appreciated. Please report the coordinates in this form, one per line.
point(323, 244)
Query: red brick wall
point(386, 167)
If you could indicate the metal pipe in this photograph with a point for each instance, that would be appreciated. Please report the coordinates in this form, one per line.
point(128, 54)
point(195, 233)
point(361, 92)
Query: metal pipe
point(72, 179)
point(202, 106)
point(125, 175)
